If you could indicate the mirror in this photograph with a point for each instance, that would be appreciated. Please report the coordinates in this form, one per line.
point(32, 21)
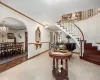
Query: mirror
point(38, 35)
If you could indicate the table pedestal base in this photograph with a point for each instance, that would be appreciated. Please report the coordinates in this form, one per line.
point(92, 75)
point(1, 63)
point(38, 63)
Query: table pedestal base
point(60, 75)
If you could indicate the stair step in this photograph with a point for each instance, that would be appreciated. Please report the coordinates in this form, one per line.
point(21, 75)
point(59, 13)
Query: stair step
point(91, 60)
point(88, 44)
point(88, 47)
point(92, 52)
point(92, 55)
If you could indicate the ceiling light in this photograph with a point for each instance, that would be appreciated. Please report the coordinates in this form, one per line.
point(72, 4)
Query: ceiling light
point(46, 26)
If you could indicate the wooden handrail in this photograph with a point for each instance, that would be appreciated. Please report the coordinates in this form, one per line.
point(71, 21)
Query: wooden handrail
point(79, 30)
point(82, 36)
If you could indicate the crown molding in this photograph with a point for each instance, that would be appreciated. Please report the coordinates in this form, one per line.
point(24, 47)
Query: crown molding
point(21, 13)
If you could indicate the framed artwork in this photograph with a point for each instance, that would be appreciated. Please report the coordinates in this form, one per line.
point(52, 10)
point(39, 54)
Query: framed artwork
point(10, 35)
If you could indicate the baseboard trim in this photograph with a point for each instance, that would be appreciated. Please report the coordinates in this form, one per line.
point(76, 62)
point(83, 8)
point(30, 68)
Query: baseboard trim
point(38, 54)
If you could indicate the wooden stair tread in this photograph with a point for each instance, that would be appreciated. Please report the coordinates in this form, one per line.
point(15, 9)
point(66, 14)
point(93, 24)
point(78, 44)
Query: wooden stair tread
point(92, 60)
point(92, 56)
point(91, 53)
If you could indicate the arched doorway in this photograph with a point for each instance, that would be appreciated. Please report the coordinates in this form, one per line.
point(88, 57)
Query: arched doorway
point(13, 40)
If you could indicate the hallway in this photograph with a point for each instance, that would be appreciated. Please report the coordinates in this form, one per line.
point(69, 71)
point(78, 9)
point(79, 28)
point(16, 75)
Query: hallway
point(40, 68)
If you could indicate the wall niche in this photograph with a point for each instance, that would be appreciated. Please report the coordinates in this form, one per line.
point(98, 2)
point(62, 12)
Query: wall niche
point(38, 38)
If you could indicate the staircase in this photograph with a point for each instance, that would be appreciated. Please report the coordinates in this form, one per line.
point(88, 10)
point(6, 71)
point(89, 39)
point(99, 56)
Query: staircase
point(67, 25)
point(91, 53)
point(74, 32)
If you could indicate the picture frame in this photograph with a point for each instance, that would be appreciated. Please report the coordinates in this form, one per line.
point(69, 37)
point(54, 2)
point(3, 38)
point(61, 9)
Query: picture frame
point(10, 35)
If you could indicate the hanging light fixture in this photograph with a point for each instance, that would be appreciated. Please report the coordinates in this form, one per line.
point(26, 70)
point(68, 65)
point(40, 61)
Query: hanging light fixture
point(4, 29)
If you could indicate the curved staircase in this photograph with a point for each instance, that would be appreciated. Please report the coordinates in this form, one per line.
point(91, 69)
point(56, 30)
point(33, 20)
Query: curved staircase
point(74, 32)
point(88, 51)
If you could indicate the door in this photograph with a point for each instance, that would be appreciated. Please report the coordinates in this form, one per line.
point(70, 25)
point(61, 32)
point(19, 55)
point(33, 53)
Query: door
point(26, 42)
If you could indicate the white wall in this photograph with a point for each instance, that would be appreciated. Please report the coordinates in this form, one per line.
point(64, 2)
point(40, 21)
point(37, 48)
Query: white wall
point(31, 27)
point(91, 28)
point(21, 33)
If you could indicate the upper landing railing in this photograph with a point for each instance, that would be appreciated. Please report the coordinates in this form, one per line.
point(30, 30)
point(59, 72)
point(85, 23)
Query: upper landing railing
point(77, 16)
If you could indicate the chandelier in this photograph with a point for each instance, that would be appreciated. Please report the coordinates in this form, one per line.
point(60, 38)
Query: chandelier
point(3, 28)
point(3, 31)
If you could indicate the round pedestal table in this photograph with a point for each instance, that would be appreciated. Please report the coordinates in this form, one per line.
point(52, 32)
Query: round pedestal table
point(60, 63)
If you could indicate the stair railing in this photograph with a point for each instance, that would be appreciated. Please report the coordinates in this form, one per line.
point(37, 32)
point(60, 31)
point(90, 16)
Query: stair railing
point(89, 13)
point(81, 40)
point(76, 32)
point(77, 16)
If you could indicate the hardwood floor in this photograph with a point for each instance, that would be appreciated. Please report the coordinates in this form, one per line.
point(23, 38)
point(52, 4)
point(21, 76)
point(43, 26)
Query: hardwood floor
point(8, 65)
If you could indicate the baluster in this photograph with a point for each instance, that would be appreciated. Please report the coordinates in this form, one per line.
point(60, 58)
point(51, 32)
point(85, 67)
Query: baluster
point(75, 30)
point(80, 16)
point(96, 11)
point(78, 34)
point(70, 28)
point(83, 14)
point(67, 26)
point(92, 12)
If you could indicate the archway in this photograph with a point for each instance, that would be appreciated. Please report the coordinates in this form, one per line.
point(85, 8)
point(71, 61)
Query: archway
point(13, 39)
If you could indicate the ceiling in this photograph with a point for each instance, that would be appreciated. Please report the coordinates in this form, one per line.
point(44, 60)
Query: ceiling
point(50, 11)
point(12, 23)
